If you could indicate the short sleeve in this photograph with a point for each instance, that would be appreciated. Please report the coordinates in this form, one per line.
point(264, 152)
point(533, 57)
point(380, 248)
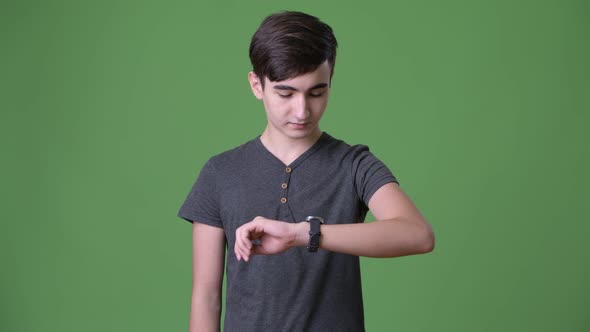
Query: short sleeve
point(369, 173)
point(201, 204)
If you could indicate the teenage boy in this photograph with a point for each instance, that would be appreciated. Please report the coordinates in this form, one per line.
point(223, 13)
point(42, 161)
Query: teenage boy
point(290, 204)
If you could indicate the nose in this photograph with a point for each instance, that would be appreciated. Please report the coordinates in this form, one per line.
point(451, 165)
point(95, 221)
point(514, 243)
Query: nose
point(301, 108)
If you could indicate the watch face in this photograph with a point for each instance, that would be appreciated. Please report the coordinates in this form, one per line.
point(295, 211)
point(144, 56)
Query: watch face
point(314, 217)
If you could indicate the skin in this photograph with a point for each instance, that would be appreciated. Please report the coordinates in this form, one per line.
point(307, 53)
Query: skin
point(294, 108)
point(208, 261)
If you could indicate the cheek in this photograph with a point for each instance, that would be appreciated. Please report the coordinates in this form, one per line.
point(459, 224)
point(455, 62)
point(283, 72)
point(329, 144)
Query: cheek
point(274, 109)
point(319, 106)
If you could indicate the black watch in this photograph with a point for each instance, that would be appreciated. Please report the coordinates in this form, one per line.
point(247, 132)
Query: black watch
point(314, 233)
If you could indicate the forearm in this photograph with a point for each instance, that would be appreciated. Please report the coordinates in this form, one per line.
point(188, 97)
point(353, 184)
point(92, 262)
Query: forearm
point(383, 238)
point(205, 310)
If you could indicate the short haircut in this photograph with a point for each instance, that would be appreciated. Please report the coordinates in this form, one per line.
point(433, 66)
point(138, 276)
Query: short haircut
point(288, 44)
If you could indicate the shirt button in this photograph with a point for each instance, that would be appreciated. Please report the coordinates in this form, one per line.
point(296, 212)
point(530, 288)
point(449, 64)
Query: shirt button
point(283, 200)
point(288, 169)
point(284, 186)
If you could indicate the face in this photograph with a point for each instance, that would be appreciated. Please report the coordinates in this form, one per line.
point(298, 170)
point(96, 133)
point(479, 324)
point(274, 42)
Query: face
point(294, 106)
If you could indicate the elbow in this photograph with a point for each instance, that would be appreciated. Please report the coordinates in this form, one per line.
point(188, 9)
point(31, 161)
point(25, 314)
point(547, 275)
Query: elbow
point(427, 240)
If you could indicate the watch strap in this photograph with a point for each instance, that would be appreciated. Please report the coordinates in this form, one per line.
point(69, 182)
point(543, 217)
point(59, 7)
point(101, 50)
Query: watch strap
point(314, 233)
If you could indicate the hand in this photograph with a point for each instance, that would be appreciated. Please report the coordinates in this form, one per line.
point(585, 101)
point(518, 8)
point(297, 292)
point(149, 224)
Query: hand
point(275, 237)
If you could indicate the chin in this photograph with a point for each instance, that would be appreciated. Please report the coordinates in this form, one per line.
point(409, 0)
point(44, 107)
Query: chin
point(300, 132)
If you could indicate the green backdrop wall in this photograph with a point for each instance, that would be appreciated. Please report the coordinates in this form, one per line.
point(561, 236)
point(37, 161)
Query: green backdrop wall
point(110, 108)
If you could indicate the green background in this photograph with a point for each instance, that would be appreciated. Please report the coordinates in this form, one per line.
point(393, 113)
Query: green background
point(110, 108)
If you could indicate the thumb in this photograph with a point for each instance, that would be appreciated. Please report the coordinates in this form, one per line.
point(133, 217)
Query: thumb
point(259, 250)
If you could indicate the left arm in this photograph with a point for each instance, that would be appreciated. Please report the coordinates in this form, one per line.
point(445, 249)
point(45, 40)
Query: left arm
point(399, 230)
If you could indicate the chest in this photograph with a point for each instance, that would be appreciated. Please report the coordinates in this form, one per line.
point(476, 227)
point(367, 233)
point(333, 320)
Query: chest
point(290, 194)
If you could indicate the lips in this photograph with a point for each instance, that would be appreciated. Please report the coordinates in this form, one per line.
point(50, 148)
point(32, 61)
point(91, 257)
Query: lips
point(299, 125)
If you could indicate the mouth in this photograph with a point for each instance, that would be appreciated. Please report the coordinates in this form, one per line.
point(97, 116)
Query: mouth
point(299, 125)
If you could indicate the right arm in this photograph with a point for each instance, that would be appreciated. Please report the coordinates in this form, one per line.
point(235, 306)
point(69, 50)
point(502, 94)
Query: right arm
point(208, 263)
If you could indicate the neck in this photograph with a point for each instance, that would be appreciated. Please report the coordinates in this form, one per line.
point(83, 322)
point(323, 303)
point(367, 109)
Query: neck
point(287, 149)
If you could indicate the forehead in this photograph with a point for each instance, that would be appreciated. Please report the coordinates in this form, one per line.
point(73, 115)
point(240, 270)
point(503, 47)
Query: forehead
point(307, 80)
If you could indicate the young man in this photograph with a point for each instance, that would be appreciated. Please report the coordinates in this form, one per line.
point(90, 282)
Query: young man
point(279, 197)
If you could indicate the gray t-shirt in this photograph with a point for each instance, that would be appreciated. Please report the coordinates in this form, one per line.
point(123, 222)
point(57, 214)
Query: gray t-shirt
point(295, 290)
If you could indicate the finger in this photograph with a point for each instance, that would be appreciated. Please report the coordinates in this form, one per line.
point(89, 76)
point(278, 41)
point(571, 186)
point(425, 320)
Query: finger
point(243, 253)
point(245, 234)
point(238, 247)
point(237, 252)
point(242, 240)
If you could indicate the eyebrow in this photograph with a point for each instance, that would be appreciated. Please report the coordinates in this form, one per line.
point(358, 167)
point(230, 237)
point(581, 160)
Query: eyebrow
point(288, 87)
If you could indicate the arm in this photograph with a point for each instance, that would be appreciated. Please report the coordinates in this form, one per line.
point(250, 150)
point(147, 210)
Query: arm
point(208, 262)
point(399, 230)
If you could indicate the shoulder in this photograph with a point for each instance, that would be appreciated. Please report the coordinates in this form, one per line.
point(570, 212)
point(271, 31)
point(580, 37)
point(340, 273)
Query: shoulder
point(233, 157)
point(345, 151)
point(359, 158)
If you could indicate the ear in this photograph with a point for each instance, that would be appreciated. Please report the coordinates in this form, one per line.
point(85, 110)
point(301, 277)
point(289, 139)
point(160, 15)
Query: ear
point(255, 85)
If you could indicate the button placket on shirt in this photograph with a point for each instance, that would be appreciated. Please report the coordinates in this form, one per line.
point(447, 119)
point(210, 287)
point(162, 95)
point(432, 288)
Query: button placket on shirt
point(284, 193)
point(285, 185)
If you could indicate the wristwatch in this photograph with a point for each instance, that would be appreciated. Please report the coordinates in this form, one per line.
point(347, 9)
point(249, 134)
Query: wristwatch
point(314, 232)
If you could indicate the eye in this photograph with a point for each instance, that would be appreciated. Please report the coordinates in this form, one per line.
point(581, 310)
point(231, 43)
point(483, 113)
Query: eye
point(285, 96)
point(316, 94)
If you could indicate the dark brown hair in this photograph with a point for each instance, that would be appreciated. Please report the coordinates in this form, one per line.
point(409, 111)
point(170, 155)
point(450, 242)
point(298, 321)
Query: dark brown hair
point(288, 44)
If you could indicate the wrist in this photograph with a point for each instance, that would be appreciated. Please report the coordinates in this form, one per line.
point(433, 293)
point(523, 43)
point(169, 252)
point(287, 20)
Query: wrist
point(301, 234)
